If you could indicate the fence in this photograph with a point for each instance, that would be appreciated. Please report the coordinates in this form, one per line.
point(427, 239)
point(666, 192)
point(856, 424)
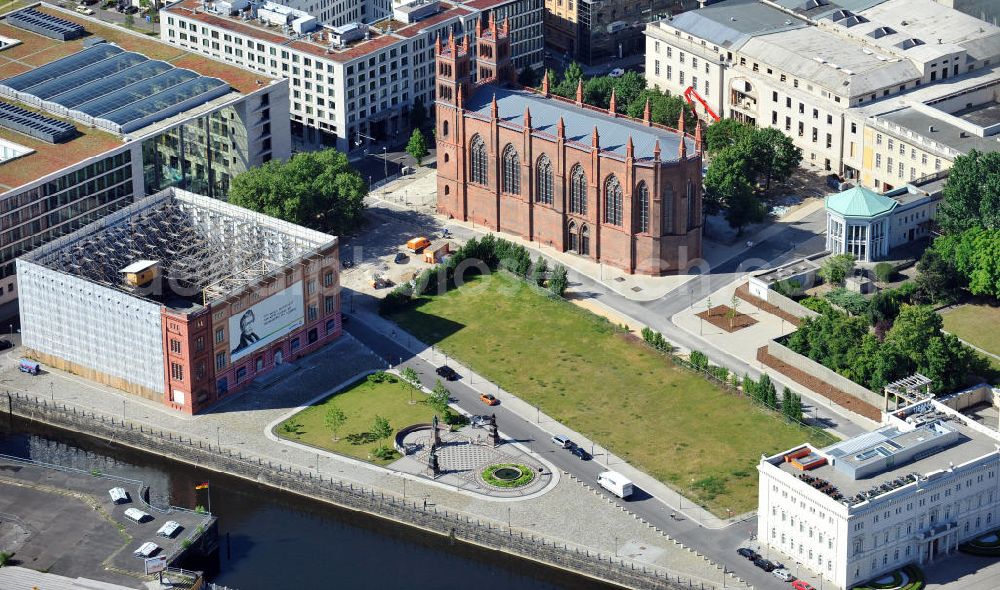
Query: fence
point(454, 525)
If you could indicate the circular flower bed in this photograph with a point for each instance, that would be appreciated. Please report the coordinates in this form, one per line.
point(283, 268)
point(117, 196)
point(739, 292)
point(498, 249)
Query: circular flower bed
point(987, 546)
point(508, 475)
point(908, 578)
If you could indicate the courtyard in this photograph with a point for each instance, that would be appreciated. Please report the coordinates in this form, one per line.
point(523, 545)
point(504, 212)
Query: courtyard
point(604, 383)
point(967, 321)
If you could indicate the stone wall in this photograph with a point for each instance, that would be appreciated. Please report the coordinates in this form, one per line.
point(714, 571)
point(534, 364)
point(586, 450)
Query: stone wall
point(459, 527)
point(811, 367)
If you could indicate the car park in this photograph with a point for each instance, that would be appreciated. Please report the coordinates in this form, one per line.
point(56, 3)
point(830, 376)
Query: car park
point(748, 553)
point(447, 373)
point(488, 399)
point(562, 441)
point(581, 452)
point(764, 564)
point(783, 574)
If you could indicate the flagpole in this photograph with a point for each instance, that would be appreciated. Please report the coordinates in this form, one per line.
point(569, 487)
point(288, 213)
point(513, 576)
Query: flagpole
point(209, 496)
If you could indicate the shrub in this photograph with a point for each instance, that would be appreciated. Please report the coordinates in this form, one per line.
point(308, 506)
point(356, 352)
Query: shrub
point(381, 377)
point(720, 373)
point(397, 299)
point(699, 360)
point(656, 340)
point(559, 281)
point(884, 272)
point(851, 302)
point(385, 453)
point(5, 558)
point(186, 543)
point(816, 304)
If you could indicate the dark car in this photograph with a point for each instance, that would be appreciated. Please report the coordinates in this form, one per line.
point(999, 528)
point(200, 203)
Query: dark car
point(447, 372)
point(748, 553)
point(131, 9)
point(764, 564)
point(5, 344)
point(581, 453)
point(400, 258)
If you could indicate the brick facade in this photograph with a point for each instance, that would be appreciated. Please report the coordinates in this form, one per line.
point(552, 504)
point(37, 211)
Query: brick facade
point(666, 240)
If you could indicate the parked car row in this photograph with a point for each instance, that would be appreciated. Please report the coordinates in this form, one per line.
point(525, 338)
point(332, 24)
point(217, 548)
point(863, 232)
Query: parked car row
point(776, 569)
point(574, 448)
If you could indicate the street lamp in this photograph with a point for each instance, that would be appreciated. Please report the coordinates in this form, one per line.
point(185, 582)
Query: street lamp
point(385, 162)
point(218, 437)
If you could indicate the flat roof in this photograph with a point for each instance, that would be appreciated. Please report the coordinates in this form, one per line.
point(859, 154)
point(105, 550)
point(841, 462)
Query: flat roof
point(580, 122)
point(731, 23)
point(50, 157)
point(313, 43)
point(36, 50)
point(786, 271)
point(946, 133)
point(969, 445)
point(930, 21)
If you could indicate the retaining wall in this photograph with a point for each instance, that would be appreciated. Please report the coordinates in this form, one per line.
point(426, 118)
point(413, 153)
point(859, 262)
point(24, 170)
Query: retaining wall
point(486, 534)
point(806, 364)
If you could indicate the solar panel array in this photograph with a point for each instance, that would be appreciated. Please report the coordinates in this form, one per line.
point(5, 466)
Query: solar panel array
point(37, 126)
point(108, 87)
point(45, 24)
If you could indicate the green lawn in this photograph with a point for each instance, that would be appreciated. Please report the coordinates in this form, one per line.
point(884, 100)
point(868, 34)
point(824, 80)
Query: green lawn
point(667, 421)
point(361, 402)
point(971, 323)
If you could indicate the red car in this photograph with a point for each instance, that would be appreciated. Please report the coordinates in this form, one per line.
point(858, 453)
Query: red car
point(488, 399)
point(800, 585)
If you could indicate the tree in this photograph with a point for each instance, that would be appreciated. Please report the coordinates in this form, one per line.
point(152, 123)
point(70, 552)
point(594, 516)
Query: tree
point(410, 377)
point(528, 77)
point(937, 280)
point(335, 420)
point(791, 405)
point(766, 393)
point(725, 133)
point(567, 86)
point(975, 253)
point(749, 387)
point(663, 109)
point(381, 430)
point(628, 88)
point(726, 185)
point(913, 329)
point(836, 268)
point(559, 280)
point(418, 114)
point(772, 152)
point(417, 146)
point(439, 398)
point(971, 194)
point(538, 271)
point(311, 188)
point(597, 92)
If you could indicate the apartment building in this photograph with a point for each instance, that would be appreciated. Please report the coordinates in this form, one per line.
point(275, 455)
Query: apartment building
point(823, 73)
point(351, 83)
point(125, 122)
point(611, 29)
point(908, 492)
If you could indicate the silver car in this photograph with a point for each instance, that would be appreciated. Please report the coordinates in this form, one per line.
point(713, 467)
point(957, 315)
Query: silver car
point(783, 574)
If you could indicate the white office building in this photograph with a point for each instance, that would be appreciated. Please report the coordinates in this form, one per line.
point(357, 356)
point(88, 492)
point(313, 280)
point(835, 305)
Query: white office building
point(907, 493)
point(823, 71)
point(355, 71)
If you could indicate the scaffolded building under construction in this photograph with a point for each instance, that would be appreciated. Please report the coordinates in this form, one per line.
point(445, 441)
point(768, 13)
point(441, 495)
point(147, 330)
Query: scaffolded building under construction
point(180, 298)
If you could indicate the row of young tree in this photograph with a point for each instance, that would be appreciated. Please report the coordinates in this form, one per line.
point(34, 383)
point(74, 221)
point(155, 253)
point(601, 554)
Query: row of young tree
point(745, 161)
point(630, 91)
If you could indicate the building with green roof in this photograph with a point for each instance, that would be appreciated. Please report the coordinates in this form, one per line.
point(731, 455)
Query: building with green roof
point(867, 224)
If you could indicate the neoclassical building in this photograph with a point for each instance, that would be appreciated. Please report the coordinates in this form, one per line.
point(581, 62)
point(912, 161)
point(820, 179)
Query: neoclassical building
point(622, 191)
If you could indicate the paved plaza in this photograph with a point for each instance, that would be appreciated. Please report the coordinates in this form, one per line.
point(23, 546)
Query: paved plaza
point(241, 422)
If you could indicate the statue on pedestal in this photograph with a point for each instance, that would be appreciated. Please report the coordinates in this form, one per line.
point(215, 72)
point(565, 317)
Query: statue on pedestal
point(435, 435)
point(432, 463)
point(492, 432)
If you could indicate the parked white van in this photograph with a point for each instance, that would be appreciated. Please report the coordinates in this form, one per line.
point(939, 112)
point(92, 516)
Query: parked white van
point(616, 483)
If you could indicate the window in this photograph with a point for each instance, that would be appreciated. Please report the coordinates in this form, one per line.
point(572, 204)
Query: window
point(176, 371)
point(295, 344)
point(670, 72)
point(690, 205)
point(612, 201)
point(329, 304)
point(511, 171)
point(175, 346)
point(656, 67)
point(477, 160)
point(680, 77)
point(311, 313)
point(642, 208)
point(220, 361)
point(667, 205)
point(878, 160)
point(328, 279)
point(578, 191)
point(220, 335)
point(311, 286)
point(543, 180)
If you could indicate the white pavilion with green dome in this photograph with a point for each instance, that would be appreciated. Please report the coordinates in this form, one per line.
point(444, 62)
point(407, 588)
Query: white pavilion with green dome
point(858, 222)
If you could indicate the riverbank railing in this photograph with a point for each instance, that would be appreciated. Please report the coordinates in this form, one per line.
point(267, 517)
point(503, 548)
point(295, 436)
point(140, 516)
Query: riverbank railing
point(455, 525)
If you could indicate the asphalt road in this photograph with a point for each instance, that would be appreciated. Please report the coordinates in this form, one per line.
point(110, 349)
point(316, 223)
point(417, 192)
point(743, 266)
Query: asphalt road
point(719, 545)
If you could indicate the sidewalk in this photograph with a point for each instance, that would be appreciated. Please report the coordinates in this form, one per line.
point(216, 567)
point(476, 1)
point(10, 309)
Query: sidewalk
point(743, 344)
point(529, 413)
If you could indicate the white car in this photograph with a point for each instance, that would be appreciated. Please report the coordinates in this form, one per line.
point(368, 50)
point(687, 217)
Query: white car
point(616, 73)
point(783, 574)
point(82, 9)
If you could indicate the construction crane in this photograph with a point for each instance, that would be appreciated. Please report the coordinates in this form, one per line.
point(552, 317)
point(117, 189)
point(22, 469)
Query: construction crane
point(691, 92)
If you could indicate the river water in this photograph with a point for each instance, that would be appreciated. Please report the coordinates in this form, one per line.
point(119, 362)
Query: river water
point(273, 540)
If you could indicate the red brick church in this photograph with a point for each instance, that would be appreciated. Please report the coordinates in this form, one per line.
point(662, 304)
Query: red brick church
point(622, 191)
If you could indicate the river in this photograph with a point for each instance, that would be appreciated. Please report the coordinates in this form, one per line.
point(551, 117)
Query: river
point(271, 539)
